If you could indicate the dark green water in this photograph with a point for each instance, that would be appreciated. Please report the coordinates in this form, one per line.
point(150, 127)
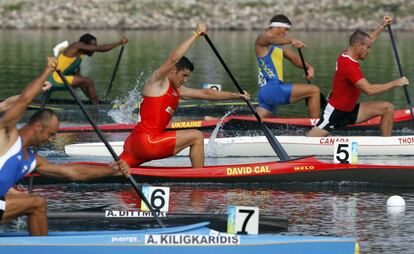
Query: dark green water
point(23, 54)
point(317, 210)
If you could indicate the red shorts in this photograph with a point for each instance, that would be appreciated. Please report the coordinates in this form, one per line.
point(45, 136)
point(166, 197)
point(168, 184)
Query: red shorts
point(142, 147)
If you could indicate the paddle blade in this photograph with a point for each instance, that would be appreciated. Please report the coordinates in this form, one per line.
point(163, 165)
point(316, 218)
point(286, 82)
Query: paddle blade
point(277, 147)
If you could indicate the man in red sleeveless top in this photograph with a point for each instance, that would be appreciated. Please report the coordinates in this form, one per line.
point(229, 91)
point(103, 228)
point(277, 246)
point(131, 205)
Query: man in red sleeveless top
point(348, 83)
point(149, 140)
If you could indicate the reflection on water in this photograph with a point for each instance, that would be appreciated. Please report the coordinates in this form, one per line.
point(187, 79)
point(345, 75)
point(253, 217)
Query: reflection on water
point(27, 50)
point(317, 209)
point(359, 213)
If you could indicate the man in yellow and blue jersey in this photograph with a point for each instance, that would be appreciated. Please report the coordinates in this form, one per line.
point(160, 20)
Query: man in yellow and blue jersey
point(273, 91)
point(69, 62)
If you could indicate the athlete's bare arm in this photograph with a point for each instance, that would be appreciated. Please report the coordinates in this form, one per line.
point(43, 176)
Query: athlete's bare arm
point(9, 120)
point(265, 39)
point(156, 82)
point(374, 89)
point(187, 93)
point(75, 47)
point(78, 172)
point(294, 58)
point(7, 103)
point(387, 20)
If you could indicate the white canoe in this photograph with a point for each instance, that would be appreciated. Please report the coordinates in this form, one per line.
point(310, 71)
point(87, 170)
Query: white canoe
point(259, 146)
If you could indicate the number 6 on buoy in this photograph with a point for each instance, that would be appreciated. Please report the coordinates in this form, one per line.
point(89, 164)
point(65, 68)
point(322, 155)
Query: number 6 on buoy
point(159, 198)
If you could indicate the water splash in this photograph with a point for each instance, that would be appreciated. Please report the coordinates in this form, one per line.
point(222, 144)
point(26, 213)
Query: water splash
point(212, 149)
point(124, 109)
point(19, 223)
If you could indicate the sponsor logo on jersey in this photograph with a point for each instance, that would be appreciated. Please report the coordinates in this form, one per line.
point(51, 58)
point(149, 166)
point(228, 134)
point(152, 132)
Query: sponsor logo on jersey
point(169, 110)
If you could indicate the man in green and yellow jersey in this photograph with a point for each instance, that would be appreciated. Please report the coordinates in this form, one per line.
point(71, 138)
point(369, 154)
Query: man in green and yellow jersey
point(69, 62)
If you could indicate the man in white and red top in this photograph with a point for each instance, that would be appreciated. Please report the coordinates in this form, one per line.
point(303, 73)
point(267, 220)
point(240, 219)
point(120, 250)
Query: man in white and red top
point(348, 84)
point(149, 140)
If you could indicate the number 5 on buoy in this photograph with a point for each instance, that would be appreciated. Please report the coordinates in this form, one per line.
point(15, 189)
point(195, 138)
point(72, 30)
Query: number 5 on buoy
point(346, 153)
point(159, 198)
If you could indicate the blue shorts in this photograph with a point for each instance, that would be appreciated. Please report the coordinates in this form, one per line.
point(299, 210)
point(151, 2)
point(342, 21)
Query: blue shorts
point(274, 94)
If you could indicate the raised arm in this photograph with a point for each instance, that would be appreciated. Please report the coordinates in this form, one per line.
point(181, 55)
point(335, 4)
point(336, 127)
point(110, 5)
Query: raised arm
point(14, 113)
point(265, 39)
point(161, 73)
point(386, 21)
point(80, 172)
point(75, 47)
point(7, 103)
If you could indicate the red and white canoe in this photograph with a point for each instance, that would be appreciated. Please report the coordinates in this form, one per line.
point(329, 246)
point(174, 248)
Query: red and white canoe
point(259, 146)
point(306, 169)
point(402, 119)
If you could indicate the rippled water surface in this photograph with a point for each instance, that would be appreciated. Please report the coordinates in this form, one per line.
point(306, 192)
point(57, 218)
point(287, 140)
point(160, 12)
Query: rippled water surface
point(342, 209)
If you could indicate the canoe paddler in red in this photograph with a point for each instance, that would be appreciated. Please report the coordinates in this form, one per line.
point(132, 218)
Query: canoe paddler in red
point(348, 84)
point(149, 140)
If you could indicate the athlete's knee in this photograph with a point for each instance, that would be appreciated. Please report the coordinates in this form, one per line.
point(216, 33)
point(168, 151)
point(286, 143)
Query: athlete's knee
point(129, 159)
point(38, 204)
point(263, 113)
point(87, 82)
point(197, 136)
point(388, 107)
point(314, 89)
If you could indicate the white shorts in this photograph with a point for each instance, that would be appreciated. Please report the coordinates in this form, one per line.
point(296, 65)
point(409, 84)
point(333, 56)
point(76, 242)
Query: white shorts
point(2, 207)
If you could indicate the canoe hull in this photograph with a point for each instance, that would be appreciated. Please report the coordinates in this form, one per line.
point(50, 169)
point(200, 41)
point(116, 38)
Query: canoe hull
point(278, 247)
point(268, 224)
point(301, 170)
point(304, 170)
point(188, 239)
point(259, 146)
point(402, 120)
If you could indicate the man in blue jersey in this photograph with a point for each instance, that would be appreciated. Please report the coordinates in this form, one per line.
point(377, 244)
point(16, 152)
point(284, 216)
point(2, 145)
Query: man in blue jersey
point(273, 91)
point(16, 160)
